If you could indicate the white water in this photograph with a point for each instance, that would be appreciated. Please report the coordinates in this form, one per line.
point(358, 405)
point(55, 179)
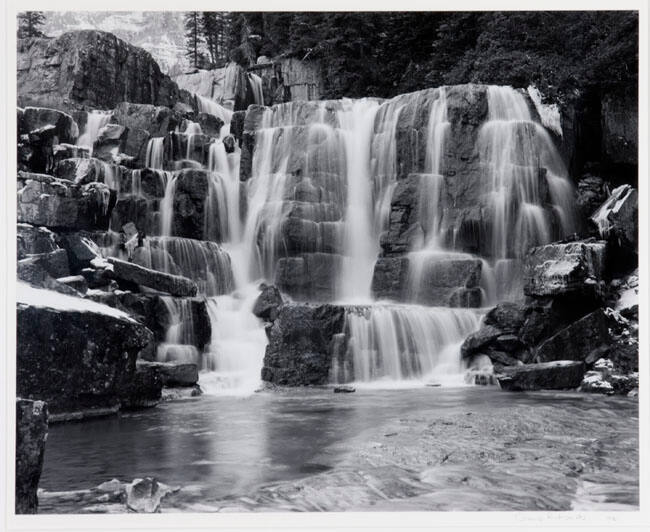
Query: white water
point(256, 85)
point(155, 153)
point(95, 121)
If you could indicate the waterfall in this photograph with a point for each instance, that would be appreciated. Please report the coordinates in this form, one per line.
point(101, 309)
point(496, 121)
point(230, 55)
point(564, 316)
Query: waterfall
point(256, 85)
point(179, 337)
point(95, 121)
point(519, 159)
point(401, 343)
point(206, 105)
point(155, 153)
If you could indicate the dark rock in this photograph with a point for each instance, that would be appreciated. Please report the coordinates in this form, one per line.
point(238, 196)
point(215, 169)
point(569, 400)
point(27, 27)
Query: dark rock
point(312, 276)
point(299, 351)
point(35, 118)
point(557, 375)
point(31, 433)
point(53, 73)
point(478, 341)
point(560, 269)
point(509, 317)
point(617, 221)
point(267, 304)
point(75, 360)
point(620, 123)
point(175, 285)
point(592, 193)
point(34, 240)
point(69, 151)
point(55, 263)
point(390, 277)
point(344, 389)
point(52, 202)
point(581, 340)
point(110, 141)
point(174, 373)
point(33, 273)
point(229, 143)
point(210, 124)
point(142, 389)
point(157, 121)
point(81, 250)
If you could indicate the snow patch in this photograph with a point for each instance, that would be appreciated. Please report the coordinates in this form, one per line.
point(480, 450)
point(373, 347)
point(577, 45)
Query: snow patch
point(42, 298)
point(549, 114)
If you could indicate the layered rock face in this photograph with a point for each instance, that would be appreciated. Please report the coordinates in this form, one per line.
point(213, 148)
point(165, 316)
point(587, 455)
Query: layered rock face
point(89, 69)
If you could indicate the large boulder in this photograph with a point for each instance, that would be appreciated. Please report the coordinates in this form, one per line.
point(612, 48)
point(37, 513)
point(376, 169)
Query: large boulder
point(32, 240)
point(175, 285)
point(565, 268)
point(58, 203)
point(35, 118)
point(268, 302)
point(300, 345)
point(558, 375)
point(73, 353)
point(31, 433)
point(89, 69)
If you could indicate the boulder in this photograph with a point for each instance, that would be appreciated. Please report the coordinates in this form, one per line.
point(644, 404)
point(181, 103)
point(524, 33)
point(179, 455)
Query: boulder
point(55, 263)
point(142, 389)
point(53, 73)
point(58, 203)
point(557, 375)
point(34, 240)
point(73, 353)
point(36, 118)
point(267, 303)
point(175, 285)
point(31, 433)
point(33, 273)
point(560, 269)
point(585, 340)
point(81, 249)
point(110, 141)
point(144, 495)
point(299, 352)
point(617, 218)
point(508, 317)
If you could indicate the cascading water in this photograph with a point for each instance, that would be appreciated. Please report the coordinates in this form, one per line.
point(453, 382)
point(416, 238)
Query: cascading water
point(154, 157)
point(326, 171)
point(256, 85)
point(95, 121)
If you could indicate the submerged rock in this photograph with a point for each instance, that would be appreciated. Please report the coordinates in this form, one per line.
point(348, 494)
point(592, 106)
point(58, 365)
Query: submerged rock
point(31, 433)
point(557, 375)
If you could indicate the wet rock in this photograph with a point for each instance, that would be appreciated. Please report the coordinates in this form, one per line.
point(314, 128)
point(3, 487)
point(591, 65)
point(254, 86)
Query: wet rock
point(34, 240)
point(175, 285)
point(69, 151)
point(142, 388)
point(508, 317)
point(210, 124)
point(52, 202)
point(559, 269)
point(479, 340)
point(617, 218)
point(112, 491)
point(54, 262)
point(33, 273)
point(145, 495)
point(557, 375)
point(403, 226)
point(31, 433)
point(299, 351)
point(174, 373)
point(582, 340)
point(110, 141)
point(52, 73)
point(229, 143)
point(592, 193)
point(344, 389)
point(75, 360)
point(81, 250)
point(312, 276)
point(156, 120)
point(267, 304)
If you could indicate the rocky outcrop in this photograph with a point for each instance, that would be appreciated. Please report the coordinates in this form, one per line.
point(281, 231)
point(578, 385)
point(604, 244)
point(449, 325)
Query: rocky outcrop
point(59, 203)
point(559, 375)
point(175, 285)
point(34, 240)
point(89, 70)
point(565, 268)
point(31, 433)
point(300, 345)
point(268, 302)
point(34, 119)
point(74, 354)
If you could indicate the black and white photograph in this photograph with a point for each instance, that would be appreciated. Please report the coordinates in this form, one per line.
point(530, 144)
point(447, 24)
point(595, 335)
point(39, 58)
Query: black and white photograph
point(278, 261)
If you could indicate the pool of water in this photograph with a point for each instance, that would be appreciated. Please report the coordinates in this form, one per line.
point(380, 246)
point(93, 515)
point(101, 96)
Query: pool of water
point(418, 448)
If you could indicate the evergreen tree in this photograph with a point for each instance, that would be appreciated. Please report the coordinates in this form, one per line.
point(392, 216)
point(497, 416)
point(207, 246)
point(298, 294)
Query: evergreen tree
point(193, 39)
point(29, 24)
point(215, 28)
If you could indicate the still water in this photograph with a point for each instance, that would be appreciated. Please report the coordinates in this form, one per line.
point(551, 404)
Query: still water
point(465, 448)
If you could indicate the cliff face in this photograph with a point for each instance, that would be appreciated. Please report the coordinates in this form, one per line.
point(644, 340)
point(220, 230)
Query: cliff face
point(89, 69)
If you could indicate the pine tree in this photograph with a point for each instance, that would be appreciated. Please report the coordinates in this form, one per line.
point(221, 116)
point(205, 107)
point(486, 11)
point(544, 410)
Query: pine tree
point(29, 24)
point(193, 39)
point(214, 27)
